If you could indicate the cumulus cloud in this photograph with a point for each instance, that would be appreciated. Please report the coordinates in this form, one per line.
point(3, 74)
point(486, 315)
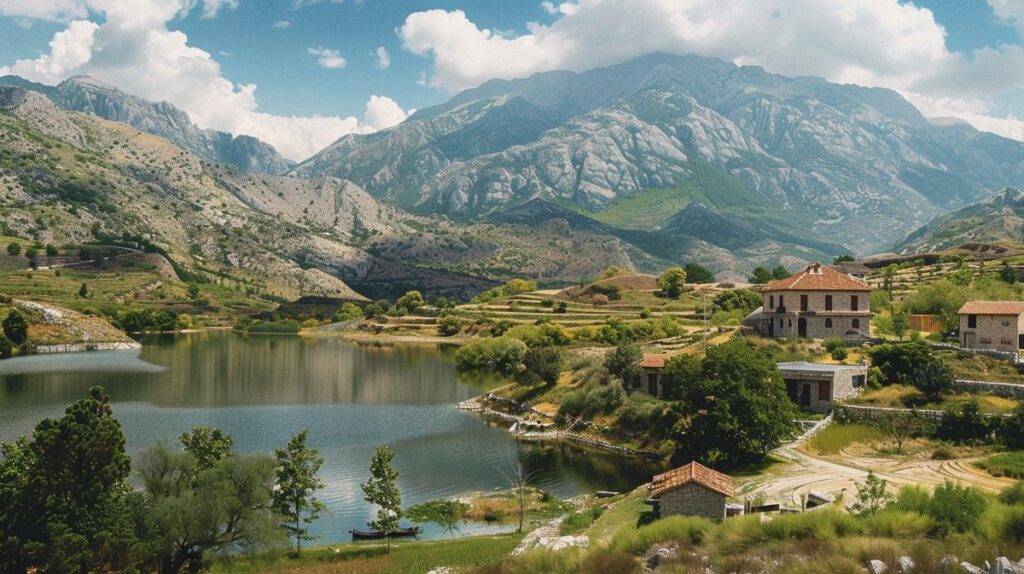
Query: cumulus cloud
point(884, 43)
point(44, 9)
point(1009, 11)
point(383, 58)
point(327, 58)
point(134, 50)
point(213, 7)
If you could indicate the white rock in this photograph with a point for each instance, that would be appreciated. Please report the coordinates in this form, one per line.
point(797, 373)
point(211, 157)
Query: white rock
point(906, 563)
point(971, 568)
point(877, 567)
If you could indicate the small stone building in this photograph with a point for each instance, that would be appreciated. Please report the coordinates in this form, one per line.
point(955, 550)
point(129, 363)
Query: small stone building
point(815, 386)
point(992, 325)
point(815, 303)
point(649, 379)
point(692, 490)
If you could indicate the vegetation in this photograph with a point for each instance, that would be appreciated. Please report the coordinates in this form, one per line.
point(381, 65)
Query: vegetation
point(295, 497)
point(913, 364)
point(445, 513)
point(381, 489)
point(672, 282)
point(696, 273)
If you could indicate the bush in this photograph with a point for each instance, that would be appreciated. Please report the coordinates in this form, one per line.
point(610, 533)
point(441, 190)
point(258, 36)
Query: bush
point(542, 364)
point(15, 327)
point(593, 399)
point(501, 354)
point(6, 348)
point(449, 326)
point(579, 520)
point(624, 361)
point(689, 529)
point(605, 560)
point(743, 300)
point(1011, 432)
point(956, 508)
point(833, 343)
point(282, 327)
point(348, 312)
point(1005, 464)
point(513, 287)
point(643, 413)
point(840, 354)
point(1013, 494)
point(964, 423)
point(672, 282)
point(913, 364)
point(544, 335)
point(411, 301)
point(610, 291)
point(143, 320)
point(696, 273)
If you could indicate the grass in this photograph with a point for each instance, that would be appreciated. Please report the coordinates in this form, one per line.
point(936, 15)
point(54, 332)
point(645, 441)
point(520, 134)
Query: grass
point(835, 437)
point(689, 529)
point(405, 557)
point(904, 396)
point(1004, 464)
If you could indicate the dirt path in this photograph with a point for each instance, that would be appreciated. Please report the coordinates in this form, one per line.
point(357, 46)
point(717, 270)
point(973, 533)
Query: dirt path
point(804, 473)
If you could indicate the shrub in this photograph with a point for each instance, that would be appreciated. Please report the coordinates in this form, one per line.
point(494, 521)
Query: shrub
point(893, 523)
point(642, 412)
point(449, 326)
point(840, 354)
point(1005, 464)
point(579, 520)
point(510, 288)
point(696, 273)
point(501, 354)
point(561, 307)
point(671, 529)
point(15, 327)
point(913, 364)
point(742, 300)
point(544, 561)
point(6, 348)
point(501, 327)
point(964, 423)
point(1011, 432)
point(624, 361)
point(955, 508)
point(411, 301)
point(610, 291)
point(672, 282)
point(593, 399)
point(605, 560)
point(1013, 494)
point(348, 312)
point(833, 343)
point(542, 364)
point(544, 335)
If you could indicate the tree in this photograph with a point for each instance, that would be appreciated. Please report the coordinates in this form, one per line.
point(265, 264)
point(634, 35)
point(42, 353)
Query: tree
point(1012, 430)
point(445, 513)
point(735, 410)
point(899, 426)
point(51, 250)
point(519, 480)
point(872, 495)
point(760, 275)
point(780, 272)
point(543, 364)
point(888, 275)
point(900, 322)
point(381, 489)
point(297, 483)
point(209, 445)
point(15, 327)
point(964, 423)
point(696, 273)
point(14, 249)
point(449, 326)
point(845, 258)
point(743, 300)
point(1008, 274)
point(6, 348)
point(83, 291)
point(348, 312)
point(193, 291)
point(624, 361)
point(672, 282)
point(411, 301)
point(913, 364)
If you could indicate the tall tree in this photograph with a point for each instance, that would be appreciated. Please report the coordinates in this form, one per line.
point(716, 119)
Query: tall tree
point(779, 272)
point(624, 361)
point(297, 483)
point(381, 489)
point(672, 282)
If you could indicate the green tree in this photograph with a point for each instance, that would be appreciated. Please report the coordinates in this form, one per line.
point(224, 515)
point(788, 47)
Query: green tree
point(624, 361)
point(872, 495)
point(735, 411)
point(696, 273)
point(679, 372)
point(6, 347)
point(445, 513)
point(209, 445)
point(1012, 430)
point(83, 291)
point(760, 275)
point(956, 508)
point(297, 483)
point(672, 282)
point(542, 364)
point(411, 301)
point(743, 300)
point(842, 259)
point(13, 249)
point(913, 364)
point(381, 489)
point(888, 276)
point(193, 291)
point(449, 326)
point(15, 327)
point(1007, 274)
point(780, 272)
point(51, 250)
point(964, 423)
point(900, 322)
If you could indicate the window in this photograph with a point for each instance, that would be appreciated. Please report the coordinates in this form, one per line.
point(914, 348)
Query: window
point(986, 341)
point(771, 301)
point(824, 391)
point(854, 303)
point(856, 323)
point(972, 321)
point(828, 302)
point(828, 323)
point(782, 301)
point(803, 302)
point(1005, 342)
point(858, 380)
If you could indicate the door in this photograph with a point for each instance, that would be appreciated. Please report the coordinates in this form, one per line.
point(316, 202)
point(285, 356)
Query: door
point(805, 395)
point(771, 327)
point(969, 340)
point(1020, 341)
point(652, 384)
point(801, 328)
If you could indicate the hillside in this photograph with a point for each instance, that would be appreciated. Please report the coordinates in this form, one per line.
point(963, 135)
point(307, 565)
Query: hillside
point(999, 217)
point(800, 155)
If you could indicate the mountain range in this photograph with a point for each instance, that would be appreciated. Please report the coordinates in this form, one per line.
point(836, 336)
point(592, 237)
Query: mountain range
point(997, 218)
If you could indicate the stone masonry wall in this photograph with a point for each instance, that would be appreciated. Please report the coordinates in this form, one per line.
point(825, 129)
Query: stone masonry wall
point(693, 500)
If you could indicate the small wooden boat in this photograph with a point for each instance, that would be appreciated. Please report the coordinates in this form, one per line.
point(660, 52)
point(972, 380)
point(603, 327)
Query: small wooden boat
point(378, 535)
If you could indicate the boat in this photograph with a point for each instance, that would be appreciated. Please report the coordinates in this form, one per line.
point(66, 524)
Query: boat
point(378, 535)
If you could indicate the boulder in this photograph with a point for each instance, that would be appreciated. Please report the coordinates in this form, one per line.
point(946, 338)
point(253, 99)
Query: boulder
point(969, 568)
point(906, 563)
point(1004, 565)
point(877, 567)
point(949, 564)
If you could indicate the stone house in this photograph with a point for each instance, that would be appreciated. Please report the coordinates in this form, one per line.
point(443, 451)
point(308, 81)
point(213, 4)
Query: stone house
point(992, 325)
point(692, 490)
point(815, 303)
point(815, 386)
point(649, 379)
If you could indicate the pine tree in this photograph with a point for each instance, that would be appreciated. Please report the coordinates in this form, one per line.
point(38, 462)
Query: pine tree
point(382, 489)
point(296, 484)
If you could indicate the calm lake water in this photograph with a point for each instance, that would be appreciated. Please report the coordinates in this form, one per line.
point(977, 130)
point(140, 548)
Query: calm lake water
point(263, 389)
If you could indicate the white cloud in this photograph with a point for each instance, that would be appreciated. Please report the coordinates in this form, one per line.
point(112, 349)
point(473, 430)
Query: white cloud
point(327, 58)
point(1009, 11)
point(884, 43)
point(44, 9)
point(382, 112)
point(281, 24)
point(213, 7)
point(133, 49)
point(383, 61)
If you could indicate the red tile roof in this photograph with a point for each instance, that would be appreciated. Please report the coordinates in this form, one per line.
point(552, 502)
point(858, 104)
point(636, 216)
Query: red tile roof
point(693, 472)
point(992, 308)
point(653, 361)
point(817, 277)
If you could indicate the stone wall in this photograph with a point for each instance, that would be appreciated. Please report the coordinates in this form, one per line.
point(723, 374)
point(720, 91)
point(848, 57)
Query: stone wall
point(1008, 390)
point(853, 413)
point(821, 324)
point(692, 500)
point(80, 347)
point(994, 332)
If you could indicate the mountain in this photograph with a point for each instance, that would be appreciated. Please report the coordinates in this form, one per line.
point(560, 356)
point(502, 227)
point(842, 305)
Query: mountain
point(91, 96)
point(68, 177)
point(821, 162)
point(999, 217)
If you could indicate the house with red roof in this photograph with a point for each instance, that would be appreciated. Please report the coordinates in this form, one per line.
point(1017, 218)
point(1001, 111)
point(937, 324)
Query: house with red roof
point(649, 379)
point(992, 325)
point(692, 490)
point(817, 302)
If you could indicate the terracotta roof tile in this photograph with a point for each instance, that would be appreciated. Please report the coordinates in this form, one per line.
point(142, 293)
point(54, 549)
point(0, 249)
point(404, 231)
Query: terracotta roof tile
point(693, 472)
point(992, 308)
point(653, 361)
point(817, 277)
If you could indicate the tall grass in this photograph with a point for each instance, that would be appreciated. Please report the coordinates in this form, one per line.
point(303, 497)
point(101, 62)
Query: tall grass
point(745, 532)
point(1005, 464)
point(835, 437)
point(673, 528)
point(897, 524)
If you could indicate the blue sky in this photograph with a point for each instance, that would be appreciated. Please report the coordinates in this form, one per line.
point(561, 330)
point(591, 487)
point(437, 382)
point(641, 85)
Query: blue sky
point(965, 62)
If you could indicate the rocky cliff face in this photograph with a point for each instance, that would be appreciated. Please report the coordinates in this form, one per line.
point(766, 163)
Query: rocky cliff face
point(999, 217)
point(91, 96)
point(857, 165)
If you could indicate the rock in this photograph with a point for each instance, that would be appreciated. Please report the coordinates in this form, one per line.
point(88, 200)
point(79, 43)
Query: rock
point(877, 567)
point(1004, 565)
point(656, 555)
point(949, 564)
point(906, 563)
point(971, 568)
point(441, 570)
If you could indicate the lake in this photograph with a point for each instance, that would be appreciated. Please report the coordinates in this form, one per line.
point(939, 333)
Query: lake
point(262, 389)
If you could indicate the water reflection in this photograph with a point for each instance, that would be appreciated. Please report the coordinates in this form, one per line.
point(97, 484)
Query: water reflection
point(261, 389)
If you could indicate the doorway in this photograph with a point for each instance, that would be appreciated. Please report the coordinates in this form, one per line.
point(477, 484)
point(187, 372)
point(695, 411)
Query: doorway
point(801, 328)
point(805, 395)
